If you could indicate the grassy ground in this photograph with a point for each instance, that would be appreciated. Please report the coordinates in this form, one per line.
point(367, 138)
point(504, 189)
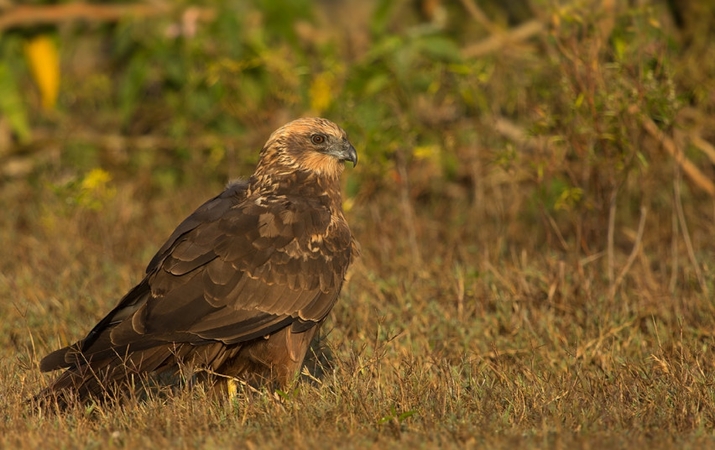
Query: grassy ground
point(544, 281)
point(467, 342)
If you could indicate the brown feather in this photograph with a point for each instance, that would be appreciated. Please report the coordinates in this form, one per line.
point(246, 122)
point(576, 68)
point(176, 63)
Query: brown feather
point(241, 286)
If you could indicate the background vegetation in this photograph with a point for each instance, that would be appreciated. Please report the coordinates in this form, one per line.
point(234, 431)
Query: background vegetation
point(534, 202)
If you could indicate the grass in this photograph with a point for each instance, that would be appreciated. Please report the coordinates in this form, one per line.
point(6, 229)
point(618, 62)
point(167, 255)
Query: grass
point(476, 346)
point(537, 260)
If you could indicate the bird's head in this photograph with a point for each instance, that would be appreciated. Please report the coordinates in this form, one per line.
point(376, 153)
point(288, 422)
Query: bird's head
point(312, 144)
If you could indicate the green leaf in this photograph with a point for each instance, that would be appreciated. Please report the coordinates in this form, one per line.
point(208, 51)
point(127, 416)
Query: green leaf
point(11, 105)
point(381, 16)
point(376, 84)
point(441, 48)
point(406, 415)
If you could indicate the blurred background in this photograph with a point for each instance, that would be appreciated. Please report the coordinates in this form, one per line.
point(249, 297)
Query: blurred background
point(482, 126)
point(535, 175)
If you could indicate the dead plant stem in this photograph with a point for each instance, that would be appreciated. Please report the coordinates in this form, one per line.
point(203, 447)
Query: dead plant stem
point(611, 232)
point(408, 212)
point(674, 250)
point(686, 235)
point(479, 16)
point(634, 253)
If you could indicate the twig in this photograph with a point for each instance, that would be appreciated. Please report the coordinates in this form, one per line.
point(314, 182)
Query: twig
point(555, 227)
point(510, 130)
point(500, 277)
point(27, 15)
point(407, 210)
point(23, 159)
point(695, 175)
point(478, 204)
point(634, 252)
point(674, 249)
point(591, 258)
point(305, 372)
point(518, 135)
point(114, 141)
point(705, 146)
point(497, 41)
point(611, 232)
point(479, 16)
point(596, 343)
point(686, 236)
point(230, 378)
point(459, 287)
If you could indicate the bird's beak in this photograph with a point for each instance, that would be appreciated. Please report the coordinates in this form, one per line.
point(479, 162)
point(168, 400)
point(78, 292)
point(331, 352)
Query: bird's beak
point(346, 152)
point(349, 153)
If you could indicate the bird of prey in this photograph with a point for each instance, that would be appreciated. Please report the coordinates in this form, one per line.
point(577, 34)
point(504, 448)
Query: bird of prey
point(241, 286)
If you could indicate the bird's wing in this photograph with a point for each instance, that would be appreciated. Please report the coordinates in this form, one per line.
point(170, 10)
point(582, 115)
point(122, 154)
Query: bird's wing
point(233, 271)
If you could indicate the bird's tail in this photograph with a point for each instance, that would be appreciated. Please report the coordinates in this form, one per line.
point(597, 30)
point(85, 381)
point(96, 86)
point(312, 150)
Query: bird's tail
point(134, 373)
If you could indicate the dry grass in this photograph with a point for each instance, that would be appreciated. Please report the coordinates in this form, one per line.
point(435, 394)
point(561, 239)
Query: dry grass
point(486, 343)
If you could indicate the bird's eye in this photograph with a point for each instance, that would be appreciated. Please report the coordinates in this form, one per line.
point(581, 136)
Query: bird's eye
point(317, 138)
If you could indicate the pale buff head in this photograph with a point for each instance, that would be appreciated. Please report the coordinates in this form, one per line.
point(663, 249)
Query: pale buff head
point(310, 144)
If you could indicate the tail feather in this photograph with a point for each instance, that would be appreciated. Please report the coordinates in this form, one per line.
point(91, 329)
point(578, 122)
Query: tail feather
point(114, 376)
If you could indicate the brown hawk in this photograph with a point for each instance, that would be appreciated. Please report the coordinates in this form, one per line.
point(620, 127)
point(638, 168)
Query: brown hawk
point(242, 285)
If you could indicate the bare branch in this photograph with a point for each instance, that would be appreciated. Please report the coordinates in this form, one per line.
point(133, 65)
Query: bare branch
point(497, 41)
point(479, 16)
point(27, 15)
point(705, 146)
point(611, 232)
point(693, 173)
point(686, 236)
point(634, 252)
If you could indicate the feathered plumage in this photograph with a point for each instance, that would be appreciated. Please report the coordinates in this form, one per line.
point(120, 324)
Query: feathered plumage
point(242, 285)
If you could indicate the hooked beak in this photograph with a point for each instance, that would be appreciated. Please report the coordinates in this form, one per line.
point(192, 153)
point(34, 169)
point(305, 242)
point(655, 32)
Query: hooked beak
point(351, 155)
point(347, 153)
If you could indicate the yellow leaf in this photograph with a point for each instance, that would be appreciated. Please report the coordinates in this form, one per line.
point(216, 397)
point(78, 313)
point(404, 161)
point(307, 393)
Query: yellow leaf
point(41, 54)
point(348, 204)
point(321, 92)
point(579, 100)
point(568, 199)
point(430, 152)
point(95, 189)
point(96, 179)
point(232, 389)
